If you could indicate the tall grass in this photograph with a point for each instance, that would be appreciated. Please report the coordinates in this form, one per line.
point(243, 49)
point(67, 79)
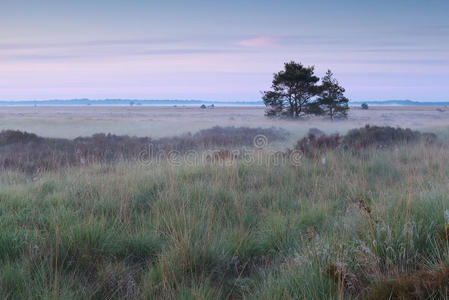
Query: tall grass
point(337, 228)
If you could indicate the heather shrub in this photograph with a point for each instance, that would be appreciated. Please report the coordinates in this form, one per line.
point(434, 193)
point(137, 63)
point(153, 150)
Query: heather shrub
point(27, 152)
point(312, 146)
point(17, 137)
point(315, 131)
point(383, 136)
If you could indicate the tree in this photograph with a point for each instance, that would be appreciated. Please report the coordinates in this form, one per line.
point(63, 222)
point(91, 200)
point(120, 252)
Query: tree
point(364, 106)
point(292, 90)
point(331, 100)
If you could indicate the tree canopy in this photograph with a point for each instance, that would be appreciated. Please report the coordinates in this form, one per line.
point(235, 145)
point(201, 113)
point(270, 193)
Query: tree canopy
point(331, 98)
point(292, 89)
point(295, 93)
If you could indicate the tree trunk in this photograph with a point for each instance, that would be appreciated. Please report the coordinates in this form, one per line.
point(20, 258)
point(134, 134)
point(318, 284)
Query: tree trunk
point(298, 111)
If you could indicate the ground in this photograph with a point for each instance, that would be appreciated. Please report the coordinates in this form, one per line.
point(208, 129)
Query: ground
point(369, 222)
point(70, 122)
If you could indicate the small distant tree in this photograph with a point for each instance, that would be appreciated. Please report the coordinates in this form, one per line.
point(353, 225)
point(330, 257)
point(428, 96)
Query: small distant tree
point(364, 106)
point(331, 100)
point(292, 90)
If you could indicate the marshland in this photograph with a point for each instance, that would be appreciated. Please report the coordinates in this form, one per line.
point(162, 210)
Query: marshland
point(230, 150)
point(318, 210)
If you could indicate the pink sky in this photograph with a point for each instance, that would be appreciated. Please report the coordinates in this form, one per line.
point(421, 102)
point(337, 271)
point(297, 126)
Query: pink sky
point(220, 51)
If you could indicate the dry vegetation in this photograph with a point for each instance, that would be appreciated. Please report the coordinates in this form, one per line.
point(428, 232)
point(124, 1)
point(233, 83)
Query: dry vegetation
point(362, 217)
point(28, 152)
point(157, 122)
point(317, 143)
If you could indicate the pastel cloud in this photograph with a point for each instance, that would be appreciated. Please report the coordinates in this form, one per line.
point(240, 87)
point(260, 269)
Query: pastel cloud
point(262, 41)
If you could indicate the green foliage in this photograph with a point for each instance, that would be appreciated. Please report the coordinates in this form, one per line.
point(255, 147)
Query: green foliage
point(138, 249)
point(331, 100)
point(12, 243)
point(13, 282)
point(292, 90)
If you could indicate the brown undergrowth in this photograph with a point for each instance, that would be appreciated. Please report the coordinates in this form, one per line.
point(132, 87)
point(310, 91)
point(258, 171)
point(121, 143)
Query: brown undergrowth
point(423, 284)
point(28, 152)
point(317, 143)
point(377, 283)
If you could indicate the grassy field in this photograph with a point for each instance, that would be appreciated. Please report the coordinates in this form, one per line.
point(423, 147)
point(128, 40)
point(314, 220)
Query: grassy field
point(71, 122)
point(368, 225)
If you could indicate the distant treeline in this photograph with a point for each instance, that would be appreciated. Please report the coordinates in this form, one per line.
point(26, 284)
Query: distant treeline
point(126, 102)
point(131, 102)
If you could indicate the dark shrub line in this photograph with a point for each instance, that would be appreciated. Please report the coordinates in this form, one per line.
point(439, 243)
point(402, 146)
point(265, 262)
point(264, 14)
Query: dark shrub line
point(316, 143)
point(383, 136)
point(30, 153)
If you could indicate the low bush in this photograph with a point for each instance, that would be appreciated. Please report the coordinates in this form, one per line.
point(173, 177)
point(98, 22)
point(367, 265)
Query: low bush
point(316, 131)
point(357, 139)
point(383, 136)
point(27, 152)
point(17, 137)
point(313, 146)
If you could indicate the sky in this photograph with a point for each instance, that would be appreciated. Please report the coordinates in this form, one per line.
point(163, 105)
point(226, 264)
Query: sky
point(220, 50)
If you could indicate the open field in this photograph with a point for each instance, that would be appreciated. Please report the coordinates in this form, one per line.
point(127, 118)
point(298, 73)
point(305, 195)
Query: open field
point(355, 221)
point(70, 122)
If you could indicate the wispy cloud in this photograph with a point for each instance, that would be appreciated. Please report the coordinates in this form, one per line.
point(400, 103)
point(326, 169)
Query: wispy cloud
point(391, 61)
point(190, 51)
point(52, 55)
point(262, 41)
point(38, 57)
point(92, 43)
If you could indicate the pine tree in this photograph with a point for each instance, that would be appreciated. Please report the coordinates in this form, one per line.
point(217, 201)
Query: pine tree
point(292, 91)
point(331, 98)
